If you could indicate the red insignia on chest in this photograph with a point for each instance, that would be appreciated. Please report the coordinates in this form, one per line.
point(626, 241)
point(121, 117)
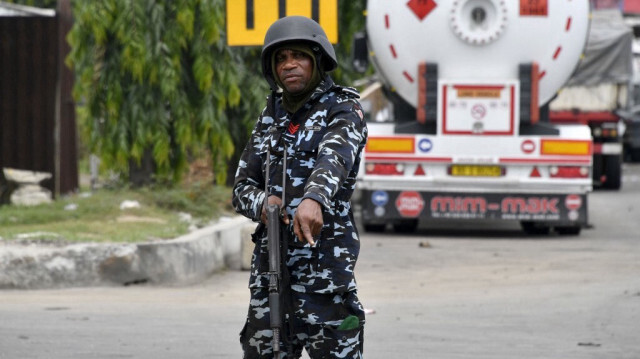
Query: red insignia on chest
point(293, 128)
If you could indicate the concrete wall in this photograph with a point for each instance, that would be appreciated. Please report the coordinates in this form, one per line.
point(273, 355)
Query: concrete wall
point(184, 260)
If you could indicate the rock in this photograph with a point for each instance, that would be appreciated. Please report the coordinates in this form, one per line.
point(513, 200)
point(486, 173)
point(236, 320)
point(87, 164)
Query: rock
point(29, 192)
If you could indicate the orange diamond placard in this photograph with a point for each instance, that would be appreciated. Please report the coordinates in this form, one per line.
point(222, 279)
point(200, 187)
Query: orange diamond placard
point(534, 7)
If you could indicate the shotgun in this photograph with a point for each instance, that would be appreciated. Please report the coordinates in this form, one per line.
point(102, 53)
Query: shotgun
point(275, 249)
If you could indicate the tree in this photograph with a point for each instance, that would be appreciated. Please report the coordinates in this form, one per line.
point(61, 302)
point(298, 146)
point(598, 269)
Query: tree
point(155, 77)
point(351, 20)
point(242, 118)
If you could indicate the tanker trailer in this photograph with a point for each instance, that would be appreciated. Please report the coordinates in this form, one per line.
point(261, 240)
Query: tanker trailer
point(468, 141)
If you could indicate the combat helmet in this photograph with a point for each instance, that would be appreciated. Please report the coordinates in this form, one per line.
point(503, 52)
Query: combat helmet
point(297, 29)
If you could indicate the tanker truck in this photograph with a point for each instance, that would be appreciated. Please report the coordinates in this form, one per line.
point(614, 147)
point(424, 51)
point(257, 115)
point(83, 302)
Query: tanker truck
point(468, 140)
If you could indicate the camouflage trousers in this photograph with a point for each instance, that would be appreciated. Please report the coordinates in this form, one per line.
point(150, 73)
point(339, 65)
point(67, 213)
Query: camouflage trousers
point(316, 318)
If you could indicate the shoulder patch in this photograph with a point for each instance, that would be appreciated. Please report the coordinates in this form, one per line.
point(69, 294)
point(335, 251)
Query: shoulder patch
point(350, 91)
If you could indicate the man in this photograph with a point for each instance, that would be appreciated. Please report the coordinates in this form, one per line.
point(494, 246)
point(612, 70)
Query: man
point(320, 126)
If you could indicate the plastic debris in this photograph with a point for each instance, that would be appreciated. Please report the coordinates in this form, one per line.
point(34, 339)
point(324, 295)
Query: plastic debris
point(127, 204)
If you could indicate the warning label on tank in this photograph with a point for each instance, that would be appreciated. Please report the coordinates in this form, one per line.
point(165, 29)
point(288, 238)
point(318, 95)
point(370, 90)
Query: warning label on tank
point(533, 7)
point(479, 91)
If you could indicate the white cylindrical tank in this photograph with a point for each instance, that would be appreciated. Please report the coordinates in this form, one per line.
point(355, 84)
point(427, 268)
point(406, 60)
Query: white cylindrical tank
point(476, 40)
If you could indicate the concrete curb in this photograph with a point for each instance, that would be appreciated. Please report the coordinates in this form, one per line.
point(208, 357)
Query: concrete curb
point(184, 260)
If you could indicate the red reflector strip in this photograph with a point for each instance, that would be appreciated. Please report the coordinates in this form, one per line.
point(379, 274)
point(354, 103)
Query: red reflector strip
point(585, 160)
point(383, 169)
point(597, 148)
point(569, 172)
point(370, 158)
point(535, 85)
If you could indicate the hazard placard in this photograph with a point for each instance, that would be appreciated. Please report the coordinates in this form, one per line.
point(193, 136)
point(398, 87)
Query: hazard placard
point(533, 7)
point(248, 20)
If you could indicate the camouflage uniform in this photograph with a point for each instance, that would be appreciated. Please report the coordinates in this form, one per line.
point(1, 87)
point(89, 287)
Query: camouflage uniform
point(324, 142)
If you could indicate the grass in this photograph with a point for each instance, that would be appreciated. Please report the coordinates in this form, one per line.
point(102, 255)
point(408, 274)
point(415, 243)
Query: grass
point(97, 216)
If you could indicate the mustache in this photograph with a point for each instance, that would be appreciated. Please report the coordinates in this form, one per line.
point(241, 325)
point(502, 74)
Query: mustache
point(290, 73)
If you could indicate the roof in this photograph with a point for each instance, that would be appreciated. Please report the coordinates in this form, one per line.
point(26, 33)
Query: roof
point(13, 10)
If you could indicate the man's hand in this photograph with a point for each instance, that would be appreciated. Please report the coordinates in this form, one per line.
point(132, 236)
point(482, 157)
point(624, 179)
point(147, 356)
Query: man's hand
point(273, 200)
point(307, 221)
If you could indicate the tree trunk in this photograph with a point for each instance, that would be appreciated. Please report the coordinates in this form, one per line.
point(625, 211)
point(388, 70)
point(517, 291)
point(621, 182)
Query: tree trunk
point(141, 174)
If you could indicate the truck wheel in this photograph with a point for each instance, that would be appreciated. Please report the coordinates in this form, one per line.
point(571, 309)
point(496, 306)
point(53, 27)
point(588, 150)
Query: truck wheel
point(535, 228)
point(374, 227)
point(612, 169)
point(568, 230)
point(405, 226)
point(634, 153)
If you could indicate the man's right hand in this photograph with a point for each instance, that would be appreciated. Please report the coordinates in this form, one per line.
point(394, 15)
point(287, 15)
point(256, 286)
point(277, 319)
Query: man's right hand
point(273, 200)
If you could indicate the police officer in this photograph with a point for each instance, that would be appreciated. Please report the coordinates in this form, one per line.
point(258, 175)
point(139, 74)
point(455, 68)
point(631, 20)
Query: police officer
point(320, 126)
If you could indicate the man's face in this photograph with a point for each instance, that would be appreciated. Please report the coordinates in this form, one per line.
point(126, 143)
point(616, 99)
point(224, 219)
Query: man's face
point(294, 69)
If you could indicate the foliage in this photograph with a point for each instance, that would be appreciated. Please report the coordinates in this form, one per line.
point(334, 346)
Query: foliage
point(154, 75)
point(157, 76)
point(351, 19)
point(242, 117)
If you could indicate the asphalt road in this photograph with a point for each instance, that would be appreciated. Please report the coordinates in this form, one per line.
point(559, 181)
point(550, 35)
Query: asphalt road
point(477, 291)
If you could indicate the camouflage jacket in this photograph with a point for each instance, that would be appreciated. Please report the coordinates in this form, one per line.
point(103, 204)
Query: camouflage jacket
point(324, 142)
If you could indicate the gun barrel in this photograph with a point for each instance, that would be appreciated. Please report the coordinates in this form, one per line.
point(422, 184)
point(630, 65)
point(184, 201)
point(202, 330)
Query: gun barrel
point(273, 235)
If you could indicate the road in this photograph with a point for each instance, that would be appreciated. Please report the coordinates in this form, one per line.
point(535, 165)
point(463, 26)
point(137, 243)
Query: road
point(478, 291)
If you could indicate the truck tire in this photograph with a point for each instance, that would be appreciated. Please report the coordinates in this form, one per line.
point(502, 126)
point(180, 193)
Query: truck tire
point(535, 228)
point(568, 230)
point(634, 154)
point(612, 171)
point(405, 226)
point(374, 227)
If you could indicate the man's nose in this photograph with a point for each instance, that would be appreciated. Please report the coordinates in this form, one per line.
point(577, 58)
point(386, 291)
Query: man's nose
point(289, 63)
